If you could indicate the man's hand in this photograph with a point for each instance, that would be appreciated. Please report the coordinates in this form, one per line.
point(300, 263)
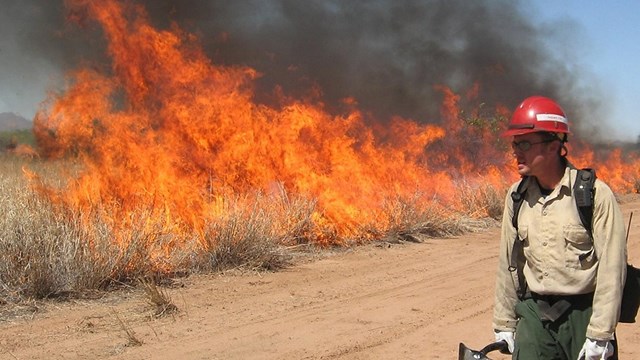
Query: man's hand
point(508, 337)
point(596, 350)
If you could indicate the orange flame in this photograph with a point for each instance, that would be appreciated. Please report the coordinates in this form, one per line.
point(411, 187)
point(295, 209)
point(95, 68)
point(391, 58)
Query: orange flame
point(166, 128)
point(620, 170)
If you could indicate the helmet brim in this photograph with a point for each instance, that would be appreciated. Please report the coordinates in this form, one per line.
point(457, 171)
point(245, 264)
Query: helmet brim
point(516, 132)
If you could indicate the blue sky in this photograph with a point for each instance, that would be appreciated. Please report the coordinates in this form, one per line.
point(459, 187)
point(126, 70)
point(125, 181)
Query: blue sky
point(610, 46)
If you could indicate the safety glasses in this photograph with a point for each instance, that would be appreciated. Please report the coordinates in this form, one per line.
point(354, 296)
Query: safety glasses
point(525, 145)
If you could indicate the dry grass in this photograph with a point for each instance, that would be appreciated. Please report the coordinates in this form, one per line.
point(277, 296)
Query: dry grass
point(132, 337)
point(414, 220)
point(482, 200)
point(36, 245)
point(158, 298)
point(250, 238)
point(48, 251)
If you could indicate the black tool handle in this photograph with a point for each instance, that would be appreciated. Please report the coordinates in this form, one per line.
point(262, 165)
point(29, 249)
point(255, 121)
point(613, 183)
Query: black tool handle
point(498, 345)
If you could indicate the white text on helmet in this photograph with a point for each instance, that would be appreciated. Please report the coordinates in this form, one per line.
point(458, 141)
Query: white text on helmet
point(551, 117)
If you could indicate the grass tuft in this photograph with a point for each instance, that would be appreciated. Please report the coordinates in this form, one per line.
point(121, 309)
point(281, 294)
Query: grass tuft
point(246, 240)
point(132, 337)
point(158, 298)
point(482, 200)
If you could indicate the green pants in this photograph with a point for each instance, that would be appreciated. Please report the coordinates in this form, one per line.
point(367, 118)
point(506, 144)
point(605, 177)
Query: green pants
point(561, 339)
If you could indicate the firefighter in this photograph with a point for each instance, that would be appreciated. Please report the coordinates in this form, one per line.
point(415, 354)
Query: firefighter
point(564, 301)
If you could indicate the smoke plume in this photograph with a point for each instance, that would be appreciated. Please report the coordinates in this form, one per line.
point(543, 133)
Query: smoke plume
point(385, 54)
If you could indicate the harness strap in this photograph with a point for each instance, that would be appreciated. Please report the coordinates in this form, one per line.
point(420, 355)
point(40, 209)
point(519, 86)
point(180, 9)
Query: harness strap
point(517, 251)
point(550, 312)
point(552, 307)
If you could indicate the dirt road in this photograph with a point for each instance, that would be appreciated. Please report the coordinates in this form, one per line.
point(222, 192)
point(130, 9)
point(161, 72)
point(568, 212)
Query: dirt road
point(401, 301)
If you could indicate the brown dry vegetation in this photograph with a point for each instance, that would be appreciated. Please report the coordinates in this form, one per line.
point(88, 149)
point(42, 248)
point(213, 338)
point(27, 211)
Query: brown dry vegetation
point(48, 251)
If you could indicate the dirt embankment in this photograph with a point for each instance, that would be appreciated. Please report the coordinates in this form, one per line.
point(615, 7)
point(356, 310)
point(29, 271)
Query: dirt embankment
point(400, 301)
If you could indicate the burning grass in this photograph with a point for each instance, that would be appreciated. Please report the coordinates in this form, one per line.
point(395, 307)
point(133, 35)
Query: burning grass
point(42, 253)
point(48, 251)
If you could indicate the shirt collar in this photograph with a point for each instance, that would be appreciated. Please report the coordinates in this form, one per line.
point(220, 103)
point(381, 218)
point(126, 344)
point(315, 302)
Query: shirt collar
point(568, 176)
point(565, 183)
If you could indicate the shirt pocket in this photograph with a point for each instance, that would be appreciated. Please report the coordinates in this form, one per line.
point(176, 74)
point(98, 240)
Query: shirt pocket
point(579, 251)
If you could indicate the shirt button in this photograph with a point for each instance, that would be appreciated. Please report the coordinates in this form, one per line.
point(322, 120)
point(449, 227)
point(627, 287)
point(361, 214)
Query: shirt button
point(544, 243)
point(546, 273)
point(544, 212)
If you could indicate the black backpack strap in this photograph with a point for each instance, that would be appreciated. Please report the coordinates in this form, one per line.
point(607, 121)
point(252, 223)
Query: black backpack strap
point(584, 193)
point(518, 197)
point(517, 251)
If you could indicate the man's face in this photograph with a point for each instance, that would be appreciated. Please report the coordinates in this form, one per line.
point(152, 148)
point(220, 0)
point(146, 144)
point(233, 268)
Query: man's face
point(532, 153)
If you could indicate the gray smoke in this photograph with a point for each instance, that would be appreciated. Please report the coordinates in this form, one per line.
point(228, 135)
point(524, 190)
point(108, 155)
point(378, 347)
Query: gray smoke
point(387, 54)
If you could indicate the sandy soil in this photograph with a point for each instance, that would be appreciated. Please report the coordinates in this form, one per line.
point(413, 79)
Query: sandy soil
point(392, 301)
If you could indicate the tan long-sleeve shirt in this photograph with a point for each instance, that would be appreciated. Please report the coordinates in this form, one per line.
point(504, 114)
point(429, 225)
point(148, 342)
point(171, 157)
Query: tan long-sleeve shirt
point(554, 240)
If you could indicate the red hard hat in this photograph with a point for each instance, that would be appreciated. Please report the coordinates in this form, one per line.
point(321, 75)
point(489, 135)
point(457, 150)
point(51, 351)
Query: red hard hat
point(537, 113)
